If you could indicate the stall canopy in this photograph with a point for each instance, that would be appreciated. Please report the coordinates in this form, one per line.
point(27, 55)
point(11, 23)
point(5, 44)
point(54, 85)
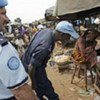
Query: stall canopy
point(79, 7)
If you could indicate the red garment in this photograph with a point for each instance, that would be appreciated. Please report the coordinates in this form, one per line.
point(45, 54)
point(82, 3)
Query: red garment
point(88, 52)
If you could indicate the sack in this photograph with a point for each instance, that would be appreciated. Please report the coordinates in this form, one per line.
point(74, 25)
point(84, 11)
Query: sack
point(62, 59)
point(78, 57)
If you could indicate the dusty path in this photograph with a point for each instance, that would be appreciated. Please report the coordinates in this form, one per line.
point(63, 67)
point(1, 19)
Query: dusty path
point(61, 83)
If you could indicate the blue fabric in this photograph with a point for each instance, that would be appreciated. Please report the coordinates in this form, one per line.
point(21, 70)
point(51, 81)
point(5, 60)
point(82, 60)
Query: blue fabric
point(3, 3)
point(40, 57)
point(67, 28)
point(39, 49)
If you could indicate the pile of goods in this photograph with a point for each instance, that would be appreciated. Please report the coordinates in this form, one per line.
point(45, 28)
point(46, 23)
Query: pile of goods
point(62, 59)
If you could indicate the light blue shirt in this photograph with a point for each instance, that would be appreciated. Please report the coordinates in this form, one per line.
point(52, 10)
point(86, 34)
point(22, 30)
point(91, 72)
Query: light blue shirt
point(12, 73)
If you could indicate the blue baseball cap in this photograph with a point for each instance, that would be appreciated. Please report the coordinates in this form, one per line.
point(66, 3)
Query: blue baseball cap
point(3, 3)
point(67, 28)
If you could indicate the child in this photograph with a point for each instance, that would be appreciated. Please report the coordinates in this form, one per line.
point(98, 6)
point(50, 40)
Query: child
point(85, 54)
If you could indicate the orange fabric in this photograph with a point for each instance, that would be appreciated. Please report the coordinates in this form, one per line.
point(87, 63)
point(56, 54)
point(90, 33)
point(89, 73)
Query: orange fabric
point(85, 54)
point(78, 57)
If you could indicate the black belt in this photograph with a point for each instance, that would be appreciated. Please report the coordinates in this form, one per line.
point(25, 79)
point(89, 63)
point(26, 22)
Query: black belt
point(12, 98)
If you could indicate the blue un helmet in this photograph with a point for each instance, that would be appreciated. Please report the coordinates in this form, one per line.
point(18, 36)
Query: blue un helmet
point(3, 3)
point(67, 28)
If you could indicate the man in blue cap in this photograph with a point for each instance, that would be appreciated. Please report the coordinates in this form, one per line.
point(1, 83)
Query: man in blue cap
point(67, 28)
point(38, 53)
point(65, 33)
point(13, 78)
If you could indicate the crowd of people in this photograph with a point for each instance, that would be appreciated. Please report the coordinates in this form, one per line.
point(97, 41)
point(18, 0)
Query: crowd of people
point(35, 45)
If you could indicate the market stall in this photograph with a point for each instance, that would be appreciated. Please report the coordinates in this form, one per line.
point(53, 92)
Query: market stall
point(68, 9)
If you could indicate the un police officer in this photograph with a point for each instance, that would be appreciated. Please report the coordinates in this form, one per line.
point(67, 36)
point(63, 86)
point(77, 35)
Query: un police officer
point(13, 78)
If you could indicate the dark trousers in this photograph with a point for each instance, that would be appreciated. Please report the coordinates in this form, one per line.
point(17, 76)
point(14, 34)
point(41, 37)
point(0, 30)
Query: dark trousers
point(43, 85)
point(12, 98)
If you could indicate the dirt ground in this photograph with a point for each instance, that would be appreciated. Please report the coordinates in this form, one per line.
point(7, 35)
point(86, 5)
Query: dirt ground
point(62, 84)
point(61, 81)
point(66, 90)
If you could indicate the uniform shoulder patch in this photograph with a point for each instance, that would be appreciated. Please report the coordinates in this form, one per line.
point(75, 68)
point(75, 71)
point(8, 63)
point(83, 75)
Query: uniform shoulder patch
point(13, 63)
